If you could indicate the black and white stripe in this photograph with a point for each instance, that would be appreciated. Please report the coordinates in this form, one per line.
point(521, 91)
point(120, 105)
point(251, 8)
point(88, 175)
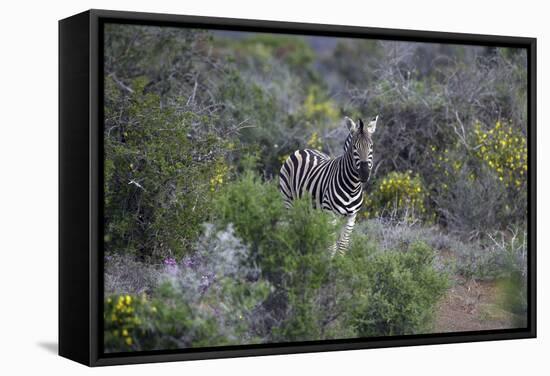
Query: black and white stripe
point(335, 184)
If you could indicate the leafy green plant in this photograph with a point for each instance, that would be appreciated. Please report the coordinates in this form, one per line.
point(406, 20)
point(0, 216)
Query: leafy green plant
point(289, 246)
point(159, 176)
point(403, 289)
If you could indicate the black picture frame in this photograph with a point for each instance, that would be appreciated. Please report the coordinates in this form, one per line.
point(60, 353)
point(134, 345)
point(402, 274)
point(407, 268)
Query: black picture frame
point(80, 185)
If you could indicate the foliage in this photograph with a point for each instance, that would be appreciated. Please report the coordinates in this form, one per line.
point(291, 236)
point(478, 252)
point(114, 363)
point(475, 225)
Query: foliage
point(398, 196)
point(403, 290)
point(289, 247)
point(165, 153)
point(134, 323)
point(482, 180)
point(157, 193)
point(317, 109)
point(252, 207)
point(123, 317)
point(504, 149)
point(205, 299)
point(199, 248)
point(291, 250)
point(295, 52)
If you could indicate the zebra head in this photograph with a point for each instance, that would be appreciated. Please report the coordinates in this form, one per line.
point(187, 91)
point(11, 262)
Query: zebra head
point(360, 139)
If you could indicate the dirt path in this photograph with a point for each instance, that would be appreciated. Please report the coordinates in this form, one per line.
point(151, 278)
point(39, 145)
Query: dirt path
point(471, 305)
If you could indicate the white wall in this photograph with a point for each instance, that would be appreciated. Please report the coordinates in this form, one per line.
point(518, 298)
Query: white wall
point(28, 184)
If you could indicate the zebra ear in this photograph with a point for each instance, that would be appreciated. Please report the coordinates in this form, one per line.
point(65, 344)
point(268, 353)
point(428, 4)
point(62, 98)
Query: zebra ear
point(350, 124)
point(372, 124)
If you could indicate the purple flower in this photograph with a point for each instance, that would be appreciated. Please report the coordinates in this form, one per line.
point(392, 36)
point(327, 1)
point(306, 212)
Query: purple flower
point(189, 262)
point(170, 261)
point(170, 265)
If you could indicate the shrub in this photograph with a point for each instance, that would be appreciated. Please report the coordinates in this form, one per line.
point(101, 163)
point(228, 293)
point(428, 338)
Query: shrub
point(252, 207)
point(206, 299)
point(136, 323)
point(290, 248)
point(398, 196)
point(299, 260)
point(160, 172)
point(481, 183)
point(218, 278)
point(316, 297)
point(401, 289)
point(124, 317)
point(504, 149)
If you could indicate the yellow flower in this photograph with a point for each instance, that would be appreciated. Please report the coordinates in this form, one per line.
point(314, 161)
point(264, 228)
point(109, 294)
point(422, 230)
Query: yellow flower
point(125, 332)
point(128, 300)
point(129, 341)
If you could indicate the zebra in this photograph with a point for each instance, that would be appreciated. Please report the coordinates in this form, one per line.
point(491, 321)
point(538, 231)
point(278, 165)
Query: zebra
point(335, 184)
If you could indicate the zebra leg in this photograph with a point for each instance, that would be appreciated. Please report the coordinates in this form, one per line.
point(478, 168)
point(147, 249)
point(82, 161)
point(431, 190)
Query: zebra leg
point(332, 249)
point(343, 241)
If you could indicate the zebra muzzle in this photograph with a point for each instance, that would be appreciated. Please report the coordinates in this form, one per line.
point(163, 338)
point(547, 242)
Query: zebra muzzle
point(364, 171)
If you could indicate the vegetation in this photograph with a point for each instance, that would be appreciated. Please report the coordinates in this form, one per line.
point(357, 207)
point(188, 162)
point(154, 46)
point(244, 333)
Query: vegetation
point(199, 249)
point(399, 196)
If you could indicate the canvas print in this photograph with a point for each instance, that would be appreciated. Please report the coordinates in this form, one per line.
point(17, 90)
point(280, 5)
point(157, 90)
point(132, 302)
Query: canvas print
point(264, 188)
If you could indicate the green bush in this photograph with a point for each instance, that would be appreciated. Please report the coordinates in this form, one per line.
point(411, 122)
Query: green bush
point(137, 323)
point(315, 297)
point(400, 291)
point(160, 173)
point(252, 207)
point(289, 246)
